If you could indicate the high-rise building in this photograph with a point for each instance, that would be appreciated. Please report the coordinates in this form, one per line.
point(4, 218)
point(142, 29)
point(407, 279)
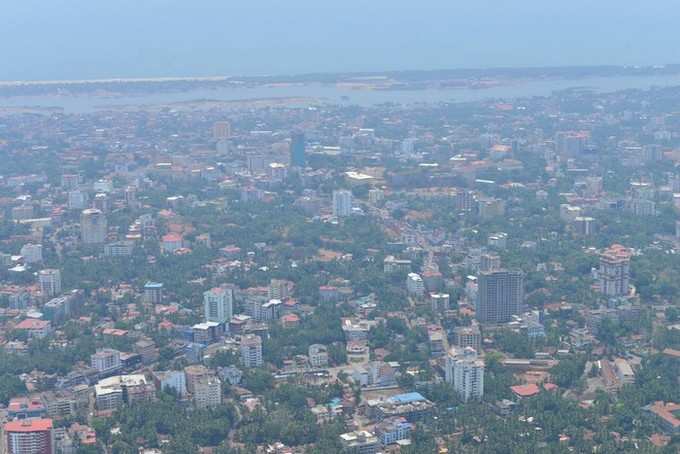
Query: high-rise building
point(207, 392)
point(571, 143)
point(279, 289)
point(70, 180)
point(153, 292)
point(584, 225)
point(342, 203)
point(500, 295)
point(93, 226)
point(218, 304)
point(468, 336)
point(251, 350)
point(29, 436)
point(440, 302)
point(221, 130)
point(376, 195)
point(489, 262)
point(101, 202)
point(465, 371)
point(415, 285)
point(23, 211)
point(297, 149)
point(105, 360)
point(131, 197)
point(194, 374)
point(77, 199)
point(50, 282)
point(614, 272)
point(463, 200)
point(32, 253)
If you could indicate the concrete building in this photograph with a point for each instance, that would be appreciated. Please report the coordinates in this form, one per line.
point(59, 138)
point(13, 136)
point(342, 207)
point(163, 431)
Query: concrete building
point(500, 295)
point(146, 348)
point(29, 436)
point(318, 355)
point(584, 225)
point(207, 392)
point(392, 430)
point(251, 351)
point(153, 292)
point(415, 285)
point(76, 200)
point(624, 372)
point(342, 203)
point(119, 249)
point(412, 406)
point(359, 442)
point(355, 330)
point(279, 289)
point(221, 130)
point(394, 265)
point(439, 302)
point(174, 380)
point(171, 243)
point(194, 374)
point(297, 149)
point(93, 226)
point(468, 336)
point(105, 360)
point(614, 271)
point(375, 196)
point(50, 282)
point(111, 392)
point(489, 262)
point(32, 253)
point(218, 304)
point(465, 371)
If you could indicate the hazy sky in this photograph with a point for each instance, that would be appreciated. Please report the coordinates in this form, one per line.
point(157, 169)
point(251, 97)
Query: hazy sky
point(68, 39)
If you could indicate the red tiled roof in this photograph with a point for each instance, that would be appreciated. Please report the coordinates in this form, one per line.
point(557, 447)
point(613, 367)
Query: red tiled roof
point(550, 386)
point(32, 323)
point(665, 411)
point(525, 390)
point(172, 237)
point(28, 425)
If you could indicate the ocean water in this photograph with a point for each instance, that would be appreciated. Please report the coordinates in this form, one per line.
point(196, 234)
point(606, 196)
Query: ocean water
point(330, 93)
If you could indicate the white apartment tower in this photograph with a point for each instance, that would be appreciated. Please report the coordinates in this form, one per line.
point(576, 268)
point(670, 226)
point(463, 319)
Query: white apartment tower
point(218, 304)
point(614, 272)
point(251, 351)
point(93, 226)
point(342, 203)
point(50, 282)
point(465, 371)
point(221, 130)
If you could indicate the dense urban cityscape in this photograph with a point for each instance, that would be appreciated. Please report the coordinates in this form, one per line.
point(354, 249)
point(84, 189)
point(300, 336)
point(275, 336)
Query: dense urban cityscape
point(269, 277)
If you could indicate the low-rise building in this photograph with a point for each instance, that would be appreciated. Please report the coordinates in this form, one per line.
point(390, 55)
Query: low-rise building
point(412, 406)
point(665, 413)
point(359, 442)
point(111, 392)
point(318, 355)
point(392, 430)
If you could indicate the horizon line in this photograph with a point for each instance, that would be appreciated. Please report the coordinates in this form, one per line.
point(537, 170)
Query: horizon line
point(224, 78)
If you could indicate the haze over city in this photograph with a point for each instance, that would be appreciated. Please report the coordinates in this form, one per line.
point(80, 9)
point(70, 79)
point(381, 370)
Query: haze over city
point(82, 39)
point(339, 227)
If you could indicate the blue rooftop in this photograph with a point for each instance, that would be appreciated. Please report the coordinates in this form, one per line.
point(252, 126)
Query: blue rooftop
point(407, 398)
